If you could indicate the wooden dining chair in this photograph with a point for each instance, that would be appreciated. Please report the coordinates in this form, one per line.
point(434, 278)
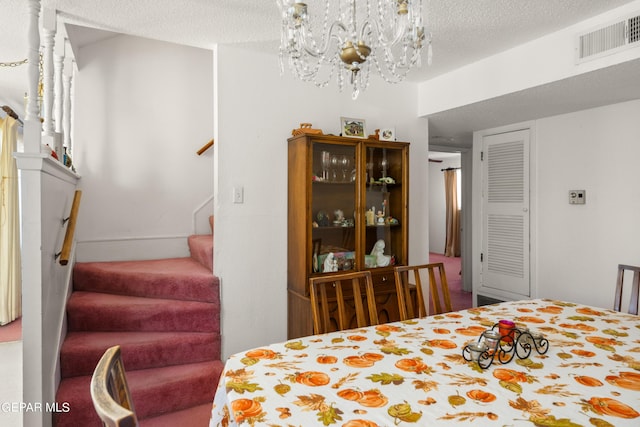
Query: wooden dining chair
point(330, 297)
point(404, 285)
point(635, 288)
point(110, 392)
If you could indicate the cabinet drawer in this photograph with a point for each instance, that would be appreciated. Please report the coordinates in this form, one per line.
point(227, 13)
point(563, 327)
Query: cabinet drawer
point(383, 280)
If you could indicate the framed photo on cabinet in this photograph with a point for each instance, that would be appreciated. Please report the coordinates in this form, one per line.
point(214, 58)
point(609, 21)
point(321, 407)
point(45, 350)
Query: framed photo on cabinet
point(387, 134)
point(353, 128)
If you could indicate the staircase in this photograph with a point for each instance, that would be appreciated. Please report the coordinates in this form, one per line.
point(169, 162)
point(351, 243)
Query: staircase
point(165, 316)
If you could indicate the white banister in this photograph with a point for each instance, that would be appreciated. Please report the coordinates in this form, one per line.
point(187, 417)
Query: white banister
point(67, 110)
point(32, 127)
point(58, 93)
point(72, 90)
point(48, 42)
point(58, 64)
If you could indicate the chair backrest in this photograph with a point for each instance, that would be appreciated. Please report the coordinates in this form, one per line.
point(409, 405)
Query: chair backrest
point(110, 391)
point(327, 304)
point(404, 285)
point(635, 291)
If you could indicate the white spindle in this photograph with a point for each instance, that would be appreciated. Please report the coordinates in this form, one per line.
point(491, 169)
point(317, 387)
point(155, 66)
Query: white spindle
point(49, 32)
point(72, 90)
point(58, 97)
point(58, 63)
point(67, 109)
point(32, 127)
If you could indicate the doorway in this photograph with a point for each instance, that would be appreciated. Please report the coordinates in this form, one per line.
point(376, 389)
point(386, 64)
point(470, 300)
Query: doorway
point(460, 160)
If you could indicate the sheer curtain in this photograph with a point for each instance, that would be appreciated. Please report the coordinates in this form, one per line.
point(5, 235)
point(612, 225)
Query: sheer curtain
point(10, 274)
point(452, 243)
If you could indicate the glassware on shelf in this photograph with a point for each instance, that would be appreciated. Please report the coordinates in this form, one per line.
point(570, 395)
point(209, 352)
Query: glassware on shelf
point(370, 216)
point(384, 163)
point(326, 164)
point(345, 163)
point(335, 164)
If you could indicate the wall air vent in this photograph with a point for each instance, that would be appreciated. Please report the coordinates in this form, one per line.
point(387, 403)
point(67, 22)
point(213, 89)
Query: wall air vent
point(634, 29)
point(609, 39)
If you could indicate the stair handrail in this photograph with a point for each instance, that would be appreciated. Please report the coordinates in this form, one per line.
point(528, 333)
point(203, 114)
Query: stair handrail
point(9, 111)
point(205, 147)
point(65, 253)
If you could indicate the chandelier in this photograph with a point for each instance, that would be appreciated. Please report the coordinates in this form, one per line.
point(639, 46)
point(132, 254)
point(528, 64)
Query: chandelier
point(350, 38)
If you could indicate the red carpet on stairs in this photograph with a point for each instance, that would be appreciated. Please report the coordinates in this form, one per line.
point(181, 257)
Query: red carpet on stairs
point(165, 316)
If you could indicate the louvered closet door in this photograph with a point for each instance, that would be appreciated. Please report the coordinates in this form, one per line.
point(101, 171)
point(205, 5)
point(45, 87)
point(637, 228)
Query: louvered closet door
point(505, 265)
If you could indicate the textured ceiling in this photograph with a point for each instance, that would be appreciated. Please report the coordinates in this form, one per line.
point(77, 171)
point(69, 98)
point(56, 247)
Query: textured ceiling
point(464, 31)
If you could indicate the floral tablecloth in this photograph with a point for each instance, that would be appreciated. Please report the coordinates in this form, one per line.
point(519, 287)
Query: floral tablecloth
point(413, 373)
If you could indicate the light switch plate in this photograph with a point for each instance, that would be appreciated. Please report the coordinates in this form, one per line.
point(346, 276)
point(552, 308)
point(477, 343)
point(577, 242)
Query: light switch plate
point(238, 195)
point(577, 197)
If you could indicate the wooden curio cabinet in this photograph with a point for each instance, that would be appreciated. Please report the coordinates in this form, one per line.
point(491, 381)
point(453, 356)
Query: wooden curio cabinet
point(346, 196)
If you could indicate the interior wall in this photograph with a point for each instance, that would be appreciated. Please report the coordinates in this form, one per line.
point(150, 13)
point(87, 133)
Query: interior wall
point(142, 109)
point(551, 56)
point(437, 203)
point(256, 112)
point(580, 246)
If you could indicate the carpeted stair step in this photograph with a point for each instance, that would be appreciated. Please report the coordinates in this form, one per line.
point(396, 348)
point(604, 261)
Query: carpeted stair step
point(155, 392)
point(93, 311)
point(140, 350)
point(196, 416)
point(201, 248)
point(176, 278)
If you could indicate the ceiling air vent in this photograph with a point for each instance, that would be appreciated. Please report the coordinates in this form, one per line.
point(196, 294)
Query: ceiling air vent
point(608, 39)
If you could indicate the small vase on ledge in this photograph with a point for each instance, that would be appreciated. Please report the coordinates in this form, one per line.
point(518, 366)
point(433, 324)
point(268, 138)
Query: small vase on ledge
point(66, 160)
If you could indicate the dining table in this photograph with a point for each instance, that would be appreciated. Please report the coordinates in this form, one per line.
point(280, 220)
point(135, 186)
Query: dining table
point(548, 363)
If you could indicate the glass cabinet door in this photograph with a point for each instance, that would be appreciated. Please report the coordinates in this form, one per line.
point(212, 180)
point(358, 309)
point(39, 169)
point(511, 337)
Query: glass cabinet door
point(333, 207)
point(384, 206)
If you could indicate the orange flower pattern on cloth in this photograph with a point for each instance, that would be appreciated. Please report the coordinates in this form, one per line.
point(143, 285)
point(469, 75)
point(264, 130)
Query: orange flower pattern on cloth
point(412, 373)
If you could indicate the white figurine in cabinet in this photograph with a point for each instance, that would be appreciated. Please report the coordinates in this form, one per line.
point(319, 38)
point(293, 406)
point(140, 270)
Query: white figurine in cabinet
point(330, 263)
point(382, 260)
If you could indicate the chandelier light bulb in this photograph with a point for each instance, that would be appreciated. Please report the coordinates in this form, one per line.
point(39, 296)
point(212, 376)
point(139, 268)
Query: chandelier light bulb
point(321, 40)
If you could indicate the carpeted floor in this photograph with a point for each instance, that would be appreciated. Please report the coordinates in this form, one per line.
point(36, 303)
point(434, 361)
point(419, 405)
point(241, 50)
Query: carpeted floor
point(460, 299)
point(11, 331)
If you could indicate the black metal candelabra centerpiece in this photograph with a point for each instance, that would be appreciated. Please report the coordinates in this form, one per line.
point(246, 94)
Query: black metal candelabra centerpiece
point(503, 342)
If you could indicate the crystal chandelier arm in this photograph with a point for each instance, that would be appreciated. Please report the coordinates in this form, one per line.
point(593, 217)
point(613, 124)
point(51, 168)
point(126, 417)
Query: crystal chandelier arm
point(374, 28)
point(406, 25)
point(305, 35)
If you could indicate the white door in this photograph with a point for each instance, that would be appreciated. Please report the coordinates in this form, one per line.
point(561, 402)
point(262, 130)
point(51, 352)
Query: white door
point(505, 207)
